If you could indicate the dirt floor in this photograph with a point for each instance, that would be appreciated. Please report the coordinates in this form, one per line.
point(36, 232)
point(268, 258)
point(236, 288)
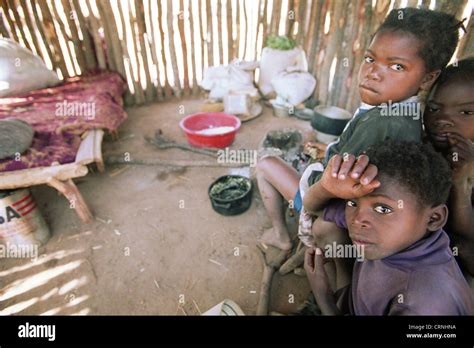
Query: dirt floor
point(156, 241)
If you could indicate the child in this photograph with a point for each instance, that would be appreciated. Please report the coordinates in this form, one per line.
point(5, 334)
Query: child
point(408, 267)
point(449, 123)
point(405, 57)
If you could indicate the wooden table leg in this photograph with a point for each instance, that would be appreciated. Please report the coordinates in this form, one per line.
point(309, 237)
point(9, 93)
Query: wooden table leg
point(71, 192)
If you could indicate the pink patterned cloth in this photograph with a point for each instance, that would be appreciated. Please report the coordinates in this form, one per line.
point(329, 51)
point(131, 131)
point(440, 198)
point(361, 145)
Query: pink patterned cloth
point(61, 114)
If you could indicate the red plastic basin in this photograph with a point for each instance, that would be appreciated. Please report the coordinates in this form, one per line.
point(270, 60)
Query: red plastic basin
point(193, 124)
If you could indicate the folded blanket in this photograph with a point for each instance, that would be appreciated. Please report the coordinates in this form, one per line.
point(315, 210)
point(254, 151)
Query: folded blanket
point(61, 114)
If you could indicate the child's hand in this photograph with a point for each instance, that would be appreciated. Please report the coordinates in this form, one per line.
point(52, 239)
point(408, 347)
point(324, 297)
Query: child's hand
point(319, 281)
point(349, 177)
point(461, 158)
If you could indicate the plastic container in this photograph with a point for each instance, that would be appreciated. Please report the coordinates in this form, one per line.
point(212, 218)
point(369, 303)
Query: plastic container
point(195, 127)
point(21, 223)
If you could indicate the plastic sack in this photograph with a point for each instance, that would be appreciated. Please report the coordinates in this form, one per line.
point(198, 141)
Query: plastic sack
point(274, 61)
point(222, 79)
point(294, 87)
point(21, 71)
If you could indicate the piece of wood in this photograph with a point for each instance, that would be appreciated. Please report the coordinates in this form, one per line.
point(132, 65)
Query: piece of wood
point(230, 39)
point(141, 32)
point(245, 38)
point(237, 24)
point(170, 18)
point(90, 59)
point(154, 56)
point(318, 13)
point(202, 35)
point(72, 194)
point(3, 28)
point(265, 23)
point(49, 31)
point(301, 21)
point(93, 28)
point(194, 54)
point(18, 23)
point(290, 18)
point(38, 176)
point(62, 32)
point(293, 262)
point(184, 48)
point(209, 35)
point(161, 18)
point(276, 15)
point(31, 29)
point(78, 45)
point(6, 15)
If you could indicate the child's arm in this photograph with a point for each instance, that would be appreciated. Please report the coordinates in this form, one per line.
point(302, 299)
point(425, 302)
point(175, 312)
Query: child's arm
point(319, 282)
point(345, 178)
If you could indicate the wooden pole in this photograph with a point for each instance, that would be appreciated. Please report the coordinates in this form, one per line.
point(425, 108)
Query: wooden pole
point(184, 47)
point(90, 58)
point(172, 49)
point(246, 28)
point(194, 54)
point(276, 14)
point(230, 40)
point(210, 48)
point(78, 45)
point(18, 23)
point(52, 35)
point(94, 30)
point(141, 31)
point(290, 18)
point(31, 28)
point(3, 29)
point(161, 20)
point(153, 49)
point(220, 33)
point(9, 20)
point(265, 23)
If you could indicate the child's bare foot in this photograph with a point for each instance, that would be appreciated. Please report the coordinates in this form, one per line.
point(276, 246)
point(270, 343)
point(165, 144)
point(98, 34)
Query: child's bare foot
point(278, 240)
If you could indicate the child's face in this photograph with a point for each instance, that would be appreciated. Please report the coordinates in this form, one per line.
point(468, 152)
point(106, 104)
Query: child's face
point(451, 109)
point(387, 220)
point(392, 69)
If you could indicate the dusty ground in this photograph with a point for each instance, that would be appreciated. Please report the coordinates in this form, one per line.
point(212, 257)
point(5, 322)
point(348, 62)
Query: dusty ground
point(145, 251)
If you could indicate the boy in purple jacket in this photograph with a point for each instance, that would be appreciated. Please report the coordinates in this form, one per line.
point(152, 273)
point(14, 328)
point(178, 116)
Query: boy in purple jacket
point(395, 212)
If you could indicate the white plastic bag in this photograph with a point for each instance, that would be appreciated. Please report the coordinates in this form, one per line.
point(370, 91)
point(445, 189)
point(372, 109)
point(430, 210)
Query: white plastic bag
point(294, 87)
point(275, 61)
point(22, 71)
point(222, 79)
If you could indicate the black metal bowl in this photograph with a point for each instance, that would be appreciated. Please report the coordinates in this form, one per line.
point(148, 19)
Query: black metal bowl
point(231, 194)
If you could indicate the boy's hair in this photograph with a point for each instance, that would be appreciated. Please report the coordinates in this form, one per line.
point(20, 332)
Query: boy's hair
point(462, 70)
point(415, 166)
point(437, 32)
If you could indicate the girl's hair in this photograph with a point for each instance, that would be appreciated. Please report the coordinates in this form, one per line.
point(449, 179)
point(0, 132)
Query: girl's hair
point(437, 33)
point(462, 70)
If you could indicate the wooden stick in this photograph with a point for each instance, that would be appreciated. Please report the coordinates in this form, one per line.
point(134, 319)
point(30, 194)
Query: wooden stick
point(237, 39)
point(174, 63)
point(31, 29)
point(90, 59)
point(230, 40)
point(63, 32)
point(265, 22)
point(184, 48)
point(220, 33)
point(209, 36)
point(18, 23)
point(301, 21)
point(161, 19)
point(275, 23)
point(195, 89)
point(94, 30)
point(71, 192)
point(52, 35)
point(3, 29)
point(154, 56)
point(137, 97)
point(78, 45)
point(9, 20)
point(139, 13)
point(201, 33)
point(290, 20)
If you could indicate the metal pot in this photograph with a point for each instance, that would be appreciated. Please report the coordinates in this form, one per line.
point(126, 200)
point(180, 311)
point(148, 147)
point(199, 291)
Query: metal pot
point(235, 205)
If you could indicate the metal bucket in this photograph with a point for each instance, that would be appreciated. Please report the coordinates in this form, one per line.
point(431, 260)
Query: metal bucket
point(20, 220)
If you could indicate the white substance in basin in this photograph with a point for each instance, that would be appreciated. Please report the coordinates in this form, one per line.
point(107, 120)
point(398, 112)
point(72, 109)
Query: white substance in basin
point(215, 130)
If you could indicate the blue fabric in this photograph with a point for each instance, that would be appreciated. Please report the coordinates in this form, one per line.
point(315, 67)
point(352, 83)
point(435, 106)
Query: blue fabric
point(298, 202)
